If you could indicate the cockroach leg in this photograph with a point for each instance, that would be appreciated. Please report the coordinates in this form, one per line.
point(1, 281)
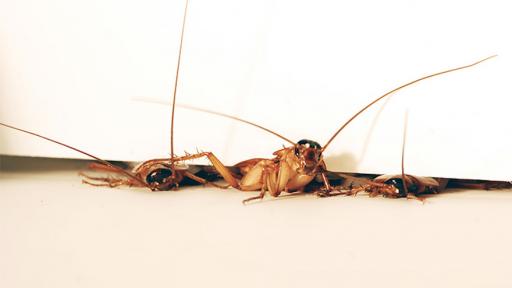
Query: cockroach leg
point(103, 179)
point(262, 191)
point(327, 190)
point(204, 181)
point(107, 181)
point(111, 184)
point(217, 164)
point(259, 197)
point(411, 196)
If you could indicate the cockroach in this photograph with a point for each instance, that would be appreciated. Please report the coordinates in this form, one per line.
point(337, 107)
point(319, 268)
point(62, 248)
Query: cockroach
point(417, 187)
point(296, 166)
point(155, 174)
point(398, 185)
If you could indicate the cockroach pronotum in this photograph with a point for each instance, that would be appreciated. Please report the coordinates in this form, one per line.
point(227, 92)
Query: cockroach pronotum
point(155, 174)
point(296, 166)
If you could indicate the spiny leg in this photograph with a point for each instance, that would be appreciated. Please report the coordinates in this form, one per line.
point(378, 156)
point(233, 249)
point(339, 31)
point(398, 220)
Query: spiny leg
point(204, 181)
point(339, 191)
point(107, 181)
point(221, 168)
point(107, 184)
point(350, 192)
point(326, 191)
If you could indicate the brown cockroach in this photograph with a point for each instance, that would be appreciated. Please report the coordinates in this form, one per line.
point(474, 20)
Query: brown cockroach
point(398, 185)
point(155, 174)
point(415, 187)
point(296, 166)
point(418, 186)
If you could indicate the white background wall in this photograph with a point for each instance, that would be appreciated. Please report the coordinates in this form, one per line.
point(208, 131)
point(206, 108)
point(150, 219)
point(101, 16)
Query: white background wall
point(71, 69)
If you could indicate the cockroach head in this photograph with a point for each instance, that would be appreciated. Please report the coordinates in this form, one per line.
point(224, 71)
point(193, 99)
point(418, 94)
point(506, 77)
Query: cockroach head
point(390, 191)
point(398, 183)
point(163, 177)
point(309, 154)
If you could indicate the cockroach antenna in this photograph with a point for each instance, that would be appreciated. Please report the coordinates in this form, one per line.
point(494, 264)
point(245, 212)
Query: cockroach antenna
point(176, 83)
point(194, 108)
point(343, 126)
point(104, 162)
point(236, 119)
point(403, 152)
point(399, 88)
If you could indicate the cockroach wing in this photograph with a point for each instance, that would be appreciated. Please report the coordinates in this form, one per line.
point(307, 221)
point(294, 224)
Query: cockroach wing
point(427, 181)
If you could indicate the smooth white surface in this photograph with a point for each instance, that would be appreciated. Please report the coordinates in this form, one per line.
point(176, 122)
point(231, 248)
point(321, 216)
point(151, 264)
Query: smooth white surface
point(57, 232)
point(71, 69)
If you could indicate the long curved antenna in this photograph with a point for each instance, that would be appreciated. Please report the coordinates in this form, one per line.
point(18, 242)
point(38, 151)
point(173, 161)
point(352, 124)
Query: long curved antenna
point(358, 179)
point(176, 83)
point(216, 113)
point(398, 88)
point(404, 184)
point(128, 174)
point(237, 119)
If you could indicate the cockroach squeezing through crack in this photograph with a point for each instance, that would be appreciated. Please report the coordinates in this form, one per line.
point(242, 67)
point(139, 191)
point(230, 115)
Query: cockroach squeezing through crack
point(155, 174)
point(398, 185)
